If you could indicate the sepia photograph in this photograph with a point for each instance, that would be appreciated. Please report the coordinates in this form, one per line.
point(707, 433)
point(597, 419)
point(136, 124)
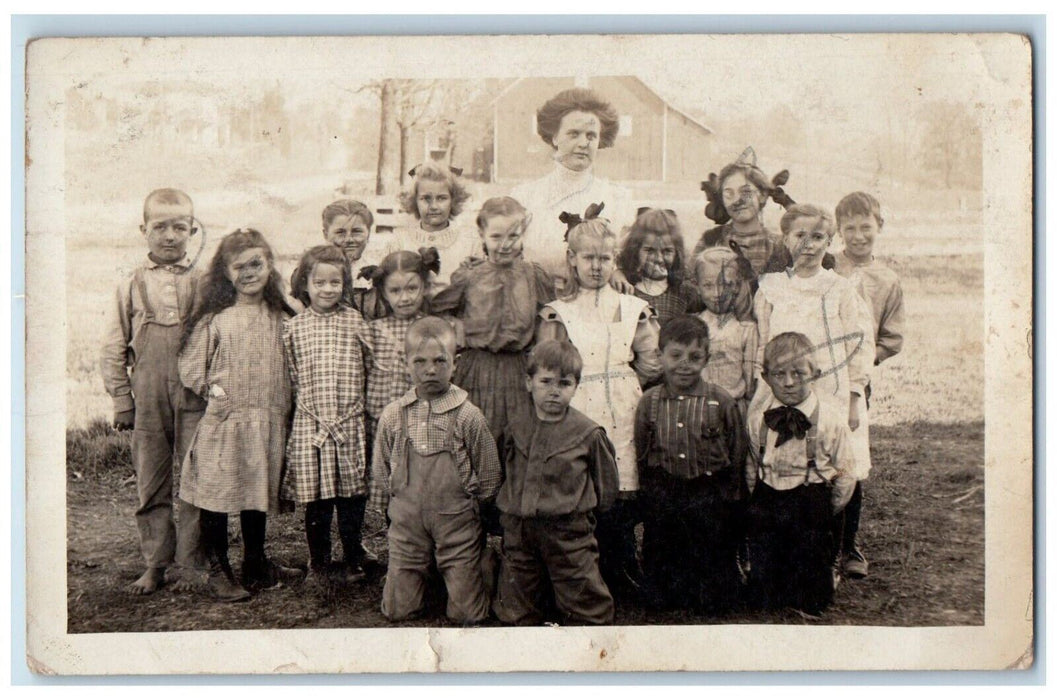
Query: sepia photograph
point(494, 353)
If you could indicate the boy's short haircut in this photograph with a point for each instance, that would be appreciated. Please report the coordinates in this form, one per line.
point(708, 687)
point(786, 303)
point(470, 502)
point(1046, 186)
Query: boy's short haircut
point(859, 204)
point(807, 210)
point(685, 329)
point(559, 356)
point(788, 347)
point(430, 328)
point(165, 195)
point(348, 208)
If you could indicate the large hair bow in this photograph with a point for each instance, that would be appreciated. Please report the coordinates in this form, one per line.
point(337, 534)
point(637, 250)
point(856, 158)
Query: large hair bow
point(374, 273)
point(571, 221)
point(430, 259)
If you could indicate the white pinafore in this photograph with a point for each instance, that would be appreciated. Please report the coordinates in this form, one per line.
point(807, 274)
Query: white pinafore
point(609, 388)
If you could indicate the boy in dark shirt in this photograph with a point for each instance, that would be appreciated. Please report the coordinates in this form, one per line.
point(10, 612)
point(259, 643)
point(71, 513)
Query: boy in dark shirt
point(691, 446)
point(559, 467)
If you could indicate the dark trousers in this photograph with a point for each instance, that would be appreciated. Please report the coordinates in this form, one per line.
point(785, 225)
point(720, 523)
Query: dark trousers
point(215, 536)
point(318, 518)
point(791, 548)
point(617, 555)
point(846, 522)
point(690, 543)
point(561, 550)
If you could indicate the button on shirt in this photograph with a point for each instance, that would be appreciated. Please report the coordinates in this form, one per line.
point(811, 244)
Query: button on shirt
point(170, 292)
point(684, 440)
point(475, 456)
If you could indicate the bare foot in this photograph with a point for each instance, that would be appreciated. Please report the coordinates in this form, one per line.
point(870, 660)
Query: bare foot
point(150, 581)
point(190, 580)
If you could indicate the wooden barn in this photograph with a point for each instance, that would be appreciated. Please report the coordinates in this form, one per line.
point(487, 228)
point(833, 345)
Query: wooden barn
point(657, 141)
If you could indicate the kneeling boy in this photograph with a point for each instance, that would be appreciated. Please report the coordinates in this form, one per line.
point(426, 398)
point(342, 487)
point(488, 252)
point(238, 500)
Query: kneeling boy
point(560, 467)
point(433, 461)
point(799, 473)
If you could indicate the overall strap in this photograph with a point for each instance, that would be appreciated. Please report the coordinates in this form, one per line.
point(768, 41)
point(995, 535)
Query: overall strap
point(712, 417)
point(141, 286)
point(655, 404)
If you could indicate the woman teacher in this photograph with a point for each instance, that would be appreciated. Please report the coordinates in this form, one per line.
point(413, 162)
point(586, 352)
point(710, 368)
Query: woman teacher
point(575, 123)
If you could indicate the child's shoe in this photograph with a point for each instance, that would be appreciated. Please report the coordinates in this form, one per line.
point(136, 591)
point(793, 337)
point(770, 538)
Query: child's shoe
point(349, 573)
point(264, 574)
point(855, 564)
point(222, 585)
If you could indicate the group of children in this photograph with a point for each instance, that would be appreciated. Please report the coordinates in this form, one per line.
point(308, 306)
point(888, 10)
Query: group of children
point(493, 401)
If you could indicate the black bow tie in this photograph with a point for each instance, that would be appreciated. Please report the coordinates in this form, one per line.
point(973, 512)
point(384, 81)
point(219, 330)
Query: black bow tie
point(788, 422)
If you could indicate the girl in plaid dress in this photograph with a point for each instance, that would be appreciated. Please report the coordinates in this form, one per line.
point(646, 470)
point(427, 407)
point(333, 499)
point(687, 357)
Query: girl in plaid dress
point(326, 347)
point(403, 280)
point(654, 260)
point(232, 356)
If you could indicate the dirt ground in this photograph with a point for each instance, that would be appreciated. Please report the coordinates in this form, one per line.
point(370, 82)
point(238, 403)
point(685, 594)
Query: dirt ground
point(923, 532)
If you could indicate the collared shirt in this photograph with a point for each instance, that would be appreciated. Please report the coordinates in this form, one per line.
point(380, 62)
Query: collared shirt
point(880, 287)
point(731, 353)
point(785, 467)
point(554, 469)
point(170, 294)
point(427, 425)
point(686, 439)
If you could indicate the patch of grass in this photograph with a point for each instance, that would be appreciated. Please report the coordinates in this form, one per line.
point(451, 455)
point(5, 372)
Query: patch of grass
point(98, 452)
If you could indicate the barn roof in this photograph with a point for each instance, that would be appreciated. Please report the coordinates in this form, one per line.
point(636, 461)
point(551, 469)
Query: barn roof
point(690, 118)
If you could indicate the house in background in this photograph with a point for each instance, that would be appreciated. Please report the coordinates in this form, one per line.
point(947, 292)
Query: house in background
point(657, 142)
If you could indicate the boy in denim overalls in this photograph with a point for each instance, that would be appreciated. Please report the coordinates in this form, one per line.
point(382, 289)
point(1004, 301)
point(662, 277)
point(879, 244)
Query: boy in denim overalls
point(433, 461)
point(140, 374)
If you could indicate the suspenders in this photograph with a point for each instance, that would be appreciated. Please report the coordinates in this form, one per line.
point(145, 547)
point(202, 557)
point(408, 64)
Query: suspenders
point(809, 447)
point(141, 286)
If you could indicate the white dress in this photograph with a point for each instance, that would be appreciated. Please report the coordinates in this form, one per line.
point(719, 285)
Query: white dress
point(609, 388)
point(828, 310)
point(571, 191)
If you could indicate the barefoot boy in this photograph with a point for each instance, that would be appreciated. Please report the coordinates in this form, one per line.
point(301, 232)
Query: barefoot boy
point(140, 373)
point(560, 467)
point(433, 461)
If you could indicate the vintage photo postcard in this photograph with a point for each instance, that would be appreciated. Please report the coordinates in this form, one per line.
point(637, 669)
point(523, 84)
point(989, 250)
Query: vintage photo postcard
point(529, 353)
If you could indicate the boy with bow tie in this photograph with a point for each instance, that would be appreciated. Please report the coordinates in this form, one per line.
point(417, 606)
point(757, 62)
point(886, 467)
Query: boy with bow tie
point(799, 472)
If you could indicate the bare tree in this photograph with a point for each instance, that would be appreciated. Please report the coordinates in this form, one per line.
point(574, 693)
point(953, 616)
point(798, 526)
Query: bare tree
point(387, 178)
point(952, 145)
point(415, 99)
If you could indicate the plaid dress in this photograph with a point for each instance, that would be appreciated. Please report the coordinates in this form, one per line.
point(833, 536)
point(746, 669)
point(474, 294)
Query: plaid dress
point(234, 360)
point(325, 453)
point(387, 379)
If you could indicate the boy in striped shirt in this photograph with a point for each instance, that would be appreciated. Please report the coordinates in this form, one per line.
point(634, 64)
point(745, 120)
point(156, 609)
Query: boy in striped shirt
point(691, 445)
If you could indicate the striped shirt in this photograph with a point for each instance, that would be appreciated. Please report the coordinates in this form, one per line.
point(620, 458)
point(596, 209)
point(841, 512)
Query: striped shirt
point(427, 425)
point(696, 433)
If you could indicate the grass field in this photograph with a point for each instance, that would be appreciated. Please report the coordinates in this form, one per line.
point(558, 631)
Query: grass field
point(923, 519)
